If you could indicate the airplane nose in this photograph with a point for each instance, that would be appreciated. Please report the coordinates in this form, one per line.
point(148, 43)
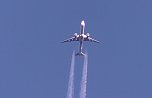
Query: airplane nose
point(82, 23)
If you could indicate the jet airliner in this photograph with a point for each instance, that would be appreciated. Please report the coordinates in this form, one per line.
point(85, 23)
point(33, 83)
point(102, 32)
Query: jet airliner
point(81, 37)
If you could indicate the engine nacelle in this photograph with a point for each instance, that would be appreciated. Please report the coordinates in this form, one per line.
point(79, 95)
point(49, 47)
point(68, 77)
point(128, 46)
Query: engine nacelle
point(75, 34)
point(87, 34)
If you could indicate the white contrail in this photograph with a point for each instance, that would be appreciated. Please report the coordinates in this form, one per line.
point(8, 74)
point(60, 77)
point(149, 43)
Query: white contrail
point(83, 87)
point(70, 92)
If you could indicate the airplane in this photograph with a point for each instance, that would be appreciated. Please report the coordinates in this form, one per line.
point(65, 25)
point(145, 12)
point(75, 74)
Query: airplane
point(81, 37)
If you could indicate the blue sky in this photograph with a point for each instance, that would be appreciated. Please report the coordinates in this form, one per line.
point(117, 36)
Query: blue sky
point(34, 64)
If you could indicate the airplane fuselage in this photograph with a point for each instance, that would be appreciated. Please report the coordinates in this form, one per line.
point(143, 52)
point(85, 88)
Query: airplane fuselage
point(81, 36)
point(82, 27)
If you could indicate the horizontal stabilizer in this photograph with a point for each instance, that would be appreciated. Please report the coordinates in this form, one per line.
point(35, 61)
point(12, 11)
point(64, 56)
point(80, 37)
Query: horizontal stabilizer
point(80, 54)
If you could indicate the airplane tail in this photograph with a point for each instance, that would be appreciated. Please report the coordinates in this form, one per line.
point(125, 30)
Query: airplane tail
point(80, 54)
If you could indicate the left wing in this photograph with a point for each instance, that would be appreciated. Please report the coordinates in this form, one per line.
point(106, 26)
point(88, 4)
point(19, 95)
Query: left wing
point(90, 39)
point(70, 39)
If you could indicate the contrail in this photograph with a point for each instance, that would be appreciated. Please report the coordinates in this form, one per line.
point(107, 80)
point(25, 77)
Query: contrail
point(70, 92)
point(83, 87)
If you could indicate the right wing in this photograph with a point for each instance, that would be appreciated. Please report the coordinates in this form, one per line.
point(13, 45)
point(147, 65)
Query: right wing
point(91, 39)
point(70, 39)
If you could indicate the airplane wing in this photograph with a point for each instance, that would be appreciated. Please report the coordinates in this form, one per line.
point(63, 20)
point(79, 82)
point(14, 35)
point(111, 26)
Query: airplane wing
point(70, 39)
point(91, 39)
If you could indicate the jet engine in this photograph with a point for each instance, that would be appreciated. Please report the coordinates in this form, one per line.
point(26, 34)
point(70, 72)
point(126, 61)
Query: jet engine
point(87, 34)
point(75, 34)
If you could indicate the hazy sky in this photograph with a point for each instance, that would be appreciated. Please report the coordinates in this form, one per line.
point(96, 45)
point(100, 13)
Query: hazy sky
point(34, 64)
